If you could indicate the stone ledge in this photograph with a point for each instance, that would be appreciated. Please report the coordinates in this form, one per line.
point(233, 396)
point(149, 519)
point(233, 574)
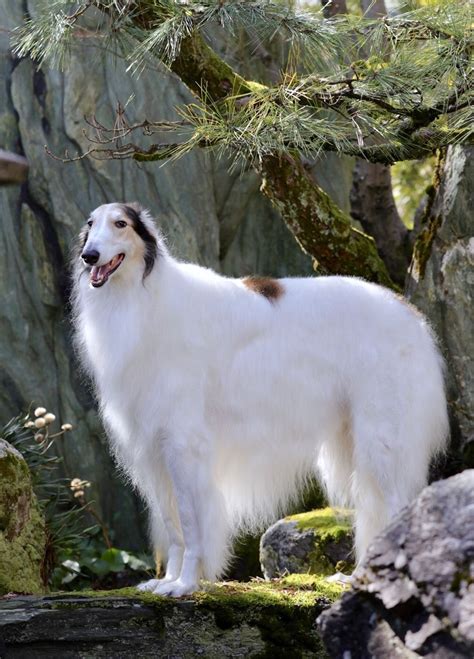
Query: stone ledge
point(13, 168)
point(257, 619)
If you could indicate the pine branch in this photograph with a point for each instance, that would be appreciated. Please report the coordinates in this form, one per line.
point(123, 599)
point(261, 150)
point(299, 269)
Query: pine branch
point(411, 95)
point(362, 109)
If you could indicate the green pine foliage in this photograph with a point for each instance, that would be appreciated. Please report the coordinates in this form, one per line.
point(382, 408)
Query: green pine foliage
point(386, 89)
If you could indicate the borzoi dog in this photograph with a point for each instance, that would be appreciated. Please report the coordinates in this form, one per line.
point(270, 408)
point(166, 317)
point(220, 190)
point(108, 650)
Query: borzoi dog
point(222, 395)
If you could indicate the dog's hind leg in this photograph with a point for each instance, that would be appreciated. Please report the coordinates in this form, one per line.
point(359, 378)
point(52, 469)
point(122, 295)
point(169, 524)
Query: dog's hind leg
point(388, 469)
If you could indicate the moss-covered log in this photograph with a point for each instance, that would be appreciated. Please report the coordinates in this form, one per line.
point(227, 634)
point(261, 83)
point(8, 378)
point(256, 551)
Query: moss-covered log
point(230, 620)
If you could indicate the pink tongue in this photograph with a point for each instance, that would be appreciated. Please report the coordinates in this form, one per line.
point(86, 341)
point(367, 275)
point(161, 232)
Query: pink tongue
point(98, 272)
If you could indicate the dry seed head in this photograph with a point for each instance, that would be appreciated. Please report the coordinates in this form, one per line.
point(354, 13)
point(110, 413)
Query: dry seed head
point(49, 418)
point(66, 427)
point(40, 423)
point(29, 424)
point(40, 411)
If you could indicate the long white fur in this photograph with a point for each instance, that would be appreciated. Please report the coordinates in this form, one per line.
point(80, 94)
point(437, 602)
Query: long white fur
point(219, 402)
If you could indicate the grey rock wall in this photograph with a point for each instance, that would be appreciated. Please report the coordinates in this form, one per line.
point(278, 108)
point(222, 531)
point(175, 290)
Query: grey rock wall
point(208, 216)
point(442, 286)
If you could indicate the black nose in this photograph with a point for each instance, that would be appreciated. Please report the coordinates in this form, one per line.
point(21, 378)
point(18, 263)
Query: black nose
point(90, 257)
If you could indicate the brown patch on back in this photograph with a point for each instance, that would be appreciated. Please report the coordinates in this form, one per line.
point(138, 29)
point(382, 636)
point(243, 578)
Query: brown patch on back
point(266, 286)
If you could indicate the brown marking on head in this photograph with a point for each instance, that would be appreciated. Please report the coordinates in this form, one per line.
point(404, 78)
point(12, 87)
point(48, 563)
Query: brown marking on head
point(266, 286)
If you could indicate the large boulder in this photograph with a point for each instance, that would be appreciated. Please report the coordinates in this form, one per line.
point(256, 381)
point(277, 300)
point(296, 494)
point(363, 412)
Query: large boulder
point(22, 528)
point(317, 542)
point(414, 594)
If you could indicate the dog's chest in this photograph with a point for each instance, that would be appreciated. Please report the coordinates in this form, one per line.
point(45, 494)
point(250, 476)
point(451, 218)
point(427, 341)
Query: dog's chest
point(114, 337)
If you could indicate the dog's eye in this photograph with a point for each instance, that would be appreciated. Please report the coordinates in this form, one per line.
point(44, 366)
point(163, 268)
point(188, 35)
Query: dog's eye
point(120, 224)
point(89, 223)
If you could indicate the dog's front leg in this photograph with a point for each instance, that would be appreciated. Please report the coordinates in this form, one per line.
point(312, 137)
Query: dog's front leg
point(186, 471)
point(164, 522)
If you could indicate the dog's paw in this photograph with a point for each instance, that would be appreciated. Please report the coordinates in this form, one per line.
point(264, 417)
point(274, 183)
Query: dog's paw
point(149, 586)
point(176, 588)
point(340, 578)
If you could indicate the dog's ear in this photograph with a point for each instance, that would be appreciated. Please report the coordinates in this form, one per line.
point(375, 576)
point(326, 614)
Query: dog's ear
point(83, 236)
point(80, 242)
point(136, 206)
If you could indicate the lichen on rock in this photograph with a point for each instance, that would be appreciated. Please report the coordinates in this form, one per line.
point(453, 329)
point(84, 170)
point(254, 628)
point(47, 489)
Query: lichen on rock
point(22, 528)
point(316, 542)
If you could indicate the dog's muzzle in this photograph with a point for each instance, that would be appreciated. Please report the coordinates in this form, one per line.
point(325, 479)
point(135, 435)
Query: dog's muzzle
point(100, 273)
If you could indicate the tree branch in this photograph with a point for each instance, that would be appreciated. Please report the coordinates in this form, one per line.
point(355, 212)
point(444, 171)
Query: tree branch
point(216, 84)
point(322, 230)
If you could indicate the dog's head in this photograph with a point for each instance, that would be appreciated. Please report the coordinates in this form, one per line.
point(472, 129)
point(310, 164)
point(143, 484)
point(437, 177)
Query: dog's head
point(116, 238)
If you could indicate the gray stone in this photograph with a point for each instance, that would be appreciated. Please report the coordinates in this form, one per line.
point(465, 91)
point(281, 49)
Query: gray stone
point(309, 543)
point(414, 591)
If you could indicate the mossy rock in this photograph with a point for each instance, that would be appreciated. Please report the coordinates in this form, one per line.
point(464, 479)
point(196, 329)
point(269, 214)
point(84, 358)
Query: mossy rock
point(254, 619)
point(22, 528)
point(318, 542)
point(246, 551)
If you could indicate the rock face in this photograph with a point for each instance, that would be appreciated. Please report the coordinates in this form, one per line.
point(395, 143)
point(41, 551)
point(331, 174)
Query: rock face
point(442, 285)
point(229, 621)
point(318, 542)
point(22, 529)
point(207, 215)
point(414, 594)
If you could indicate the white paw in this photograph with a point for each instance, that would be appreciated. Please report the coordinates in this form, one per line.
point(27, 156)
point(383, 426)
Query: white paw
point(176, 588)
point(153, 584)
point(340, 578)
point(148, 586)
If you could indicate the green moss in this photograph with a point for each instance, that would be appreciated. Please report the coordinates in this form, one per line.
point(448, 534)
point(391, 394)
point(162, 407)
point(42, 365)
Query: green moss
point(22, 529)
point(294, 590)
point(430, 221)
point(327, 522)
point(197, 63)
point(269, 619)
point(320, 227)
point(330, 527)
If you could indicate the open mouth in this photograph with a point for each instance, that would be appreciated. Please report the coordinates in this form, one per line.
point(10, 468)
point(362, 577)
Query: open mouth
point(100, 273)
